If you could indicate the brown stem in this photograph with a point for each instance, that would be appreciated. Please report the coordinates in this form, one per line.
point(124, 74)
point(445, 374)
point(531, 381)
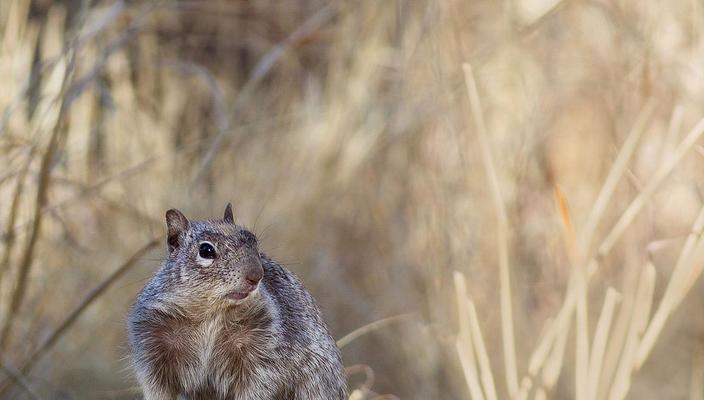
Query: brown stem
point(47, 162)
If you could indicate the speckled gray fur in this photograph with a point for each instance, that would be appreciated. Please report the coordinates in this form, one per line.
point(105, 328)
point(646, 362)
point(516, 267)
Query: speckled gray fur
point(190, 341)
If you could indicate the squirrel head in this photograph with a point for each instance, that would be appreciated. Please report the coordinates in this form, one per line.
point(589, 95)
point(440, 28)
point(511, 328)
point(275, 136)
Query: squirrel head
point(210, 262)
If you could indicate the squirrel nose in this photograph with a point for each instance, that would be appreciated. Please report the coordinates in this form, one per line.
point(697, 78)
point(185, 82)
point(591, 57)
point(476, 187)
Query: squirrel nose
point(253, 277)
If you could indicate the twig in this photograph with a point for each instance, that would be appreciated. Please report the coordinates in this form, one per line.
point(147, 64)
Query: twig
point(263, 67)
point(136, 169)
point(100, 26)
point(222, 120)
point(11, 229)
point(376, 325)
point(45, 168)
point(89, 299)
point(85, 81)
point(71, 318)
point(368, 375)
point(18, 378)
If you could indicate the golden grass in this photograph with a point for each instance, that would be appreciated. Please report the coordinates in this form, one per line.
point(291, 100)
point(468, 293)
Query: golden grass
point(489, 200)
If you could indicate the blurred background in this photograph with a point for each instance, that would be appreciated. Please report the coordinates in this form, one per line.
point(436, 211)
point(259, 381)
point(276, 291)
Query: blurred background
point(489, 199)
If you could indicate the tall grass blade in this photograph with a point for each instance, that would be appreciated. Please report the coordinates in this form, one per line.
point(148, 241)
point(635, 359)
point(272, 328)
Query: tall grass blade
point(502, 234)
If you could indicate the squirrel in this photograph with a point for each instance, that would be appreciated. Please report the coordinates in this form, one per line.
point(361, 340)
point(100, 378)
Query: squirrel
point(221, 320)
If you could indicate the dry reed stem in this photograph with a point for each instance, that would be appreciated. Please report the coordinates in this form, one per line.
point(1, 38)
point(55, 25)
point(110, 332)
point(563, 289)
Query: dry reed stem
point(601, 336)
point(696, 388)
point(668, 302)
point(582, 342)
point(526, 385)
point(502, 235)
point(694, 237)
point(464, 344)
point(558, 330)
point(641, 200)
point(357, 395)
point(469, 369)
point(541, 352)
point(487, 377)
point(673, 131)
point(691, 274)
point(617, 338)
point(582, 324)
point(614, 176)
point(694, 272)
point(639, 320)
point(540, 394)
point(586, 238)
point(553, 9)
point(615, 233)
point(16, 23)
point(553, 364)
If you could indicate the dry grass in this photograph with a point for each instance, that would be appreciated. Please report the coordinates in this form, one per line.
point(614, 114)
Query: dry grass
point(490, 200)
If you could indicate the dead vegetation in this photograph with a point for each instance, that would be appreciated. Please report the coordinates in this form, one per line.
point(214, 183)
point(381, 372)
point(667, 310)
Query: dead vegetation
point(489, 199)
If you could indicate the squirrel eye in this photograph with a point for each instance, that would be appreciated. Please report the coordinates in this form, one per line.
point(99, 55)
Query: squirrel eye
point(206, 250)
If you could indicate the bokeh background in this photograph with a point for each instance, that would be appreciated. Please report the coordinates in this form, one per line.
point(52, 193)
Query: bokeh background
point(421, 165)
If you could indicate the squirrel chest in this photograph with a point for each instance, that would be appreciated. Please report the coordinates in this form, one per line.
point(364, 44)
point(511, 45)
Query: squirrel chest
point(216, 356)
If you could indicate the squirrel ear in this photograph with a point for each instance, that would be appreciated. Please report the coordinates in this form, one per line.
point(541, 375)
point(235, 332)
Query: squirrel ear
point(228, 214)
point(176, 224)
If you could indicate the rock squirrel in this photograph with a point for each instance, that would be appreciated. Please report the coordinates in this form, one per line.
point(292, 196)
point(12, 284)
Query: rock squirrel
point(220, 320)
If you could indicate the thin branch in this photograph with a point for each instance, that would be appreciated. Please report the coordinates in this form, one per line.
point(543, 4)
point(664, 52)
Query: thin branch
point(18, 378)
point(46, 166)
point(88, 300)
point(261, 70)
point(10, 236)
point(374, 326)
point(368, 375)
point(94, 294)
